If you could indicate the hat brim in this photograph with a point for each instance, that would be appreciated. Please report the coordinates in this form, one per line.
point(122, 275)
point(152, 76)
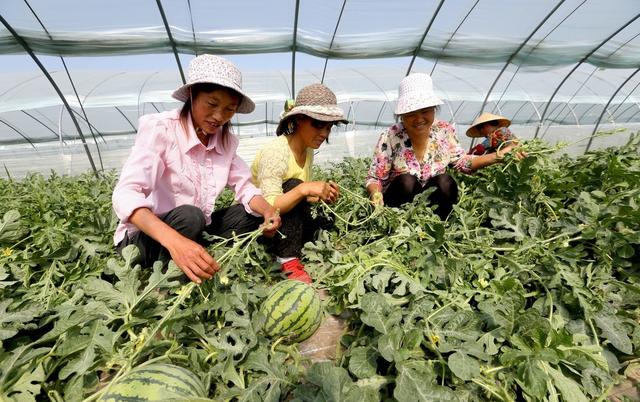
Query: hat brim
point(246, 104)
point(317, 116)
point(474, 132)
point(408, 107)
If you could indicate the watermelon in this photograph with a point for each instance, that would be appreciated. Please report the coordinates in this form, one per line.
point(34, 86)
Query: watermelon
point(155, 382)
point(293, 310)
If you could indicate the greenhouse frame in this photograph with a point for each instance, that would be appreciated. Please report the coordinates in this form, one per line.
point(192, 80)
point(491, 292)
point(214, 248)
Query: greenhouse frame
point(527, 288)
point(82, 79)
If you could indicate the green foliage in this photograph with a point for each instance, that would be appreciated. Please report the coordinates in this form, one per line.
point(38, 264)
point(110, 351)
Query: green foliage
point(529, 291)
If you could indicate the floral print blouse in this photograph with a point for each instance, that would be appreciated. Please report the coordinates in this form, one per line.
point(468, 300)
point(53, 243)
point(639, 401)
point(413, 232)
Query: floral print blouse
point(394, 155)
point(493, 141)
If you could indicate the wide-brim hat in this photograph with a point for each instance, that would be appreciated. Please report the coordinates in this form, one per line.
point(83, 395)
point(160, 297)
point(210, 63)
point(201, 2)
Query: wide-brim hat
point(315, 101)
point(483, 118)
point(416, 92)
point(209, 69)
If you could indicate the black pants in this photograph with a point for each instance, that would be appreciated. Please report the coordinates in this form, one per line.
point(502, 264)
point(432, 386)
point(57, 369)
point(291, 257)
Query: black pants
point(189, 221)
point(406, 186)
point(298, 226)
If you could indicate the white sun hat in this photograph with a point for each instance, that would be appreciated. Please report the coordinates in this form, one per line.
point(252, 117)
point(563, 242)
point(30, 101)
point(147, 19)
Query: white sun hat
point(211, 69)
point(415, 93)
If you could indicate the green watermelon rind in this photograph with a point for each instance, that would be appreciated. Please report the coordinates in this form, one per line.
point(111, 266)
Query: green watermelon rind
point(306, 327)
point(137, 385)
point(285, 312)
point(301, 324)
point(274, 308)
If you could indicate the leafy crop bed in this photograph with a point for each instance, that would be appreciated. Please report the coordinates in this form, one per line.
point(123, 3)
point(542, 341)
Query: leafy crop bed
point(529, 291)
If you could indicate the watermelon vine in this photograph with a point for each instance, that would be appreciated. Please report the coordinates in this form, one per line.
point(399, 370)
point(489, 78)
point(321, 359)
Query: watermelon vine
point(529, 291)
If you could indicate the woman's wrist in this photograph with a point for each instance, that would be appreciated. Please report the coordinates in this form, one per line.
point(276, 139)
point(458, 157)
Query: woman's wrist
point(303, 188)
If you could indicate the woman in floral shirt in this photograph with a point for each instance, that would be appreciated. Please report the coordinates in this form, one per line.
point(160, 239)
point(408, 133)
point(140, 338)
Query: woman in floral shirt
point(412, 156)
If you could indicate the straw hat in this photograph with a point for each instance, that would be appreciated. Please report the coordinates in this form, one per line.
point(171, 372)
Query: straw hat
point(316, 101)
point(483, 118)
point(214, 70)
point(415, 93)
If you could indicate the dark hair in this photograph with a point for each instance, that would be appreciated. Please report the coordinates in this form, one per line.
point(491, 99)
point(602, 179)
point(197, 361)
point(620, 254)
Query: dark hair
point(492, 123)
point(206, 87)
point(290, 124)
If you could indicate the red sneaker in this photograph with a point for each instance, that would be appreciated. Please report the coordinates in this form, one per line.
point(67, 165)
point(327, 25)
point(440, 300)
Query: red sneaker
point(295, 270)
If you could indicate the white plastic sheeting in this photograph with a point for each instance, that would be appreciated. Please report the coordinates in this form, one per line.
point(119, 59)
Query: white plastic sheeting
point(545, 64)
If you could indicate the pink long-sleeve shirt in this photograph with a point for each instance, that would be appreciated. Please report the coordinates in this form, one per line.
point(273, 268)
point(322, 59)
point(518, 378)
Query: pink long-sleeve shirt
point(169, 167)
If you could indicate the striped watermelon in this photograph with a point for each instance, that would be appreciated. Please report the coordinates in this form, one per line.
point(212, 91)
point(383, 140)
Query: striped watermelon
point(155, 382)
point(293, 310)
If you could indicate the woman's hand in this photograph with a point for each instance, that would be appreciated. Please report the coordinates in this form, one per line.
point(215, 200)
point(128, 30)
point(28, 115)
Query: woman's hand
point(192, 259)
point(500, 153)
point(377, 199)
point(188, 255)
point(334, 192)
point(321, 190)
point(375, 194)
point(271, 223)
point(270, 214)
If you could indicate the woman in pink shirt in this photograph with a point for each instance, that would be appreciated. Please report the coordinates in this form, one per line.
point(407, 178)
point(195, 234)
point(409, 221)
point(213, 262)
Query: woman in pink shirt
point(180, 163)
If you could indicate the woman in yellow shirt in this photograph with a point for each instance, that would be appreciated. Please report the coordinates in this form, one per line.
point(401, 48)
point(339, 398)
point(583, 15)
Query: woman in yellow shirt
point(282, 170)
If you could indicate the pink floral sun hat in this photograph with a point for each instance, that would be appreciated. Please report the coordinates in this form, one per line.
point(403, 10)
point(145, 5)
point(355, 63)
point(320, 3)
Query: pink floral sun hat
point(211, 69)
point(415, 93)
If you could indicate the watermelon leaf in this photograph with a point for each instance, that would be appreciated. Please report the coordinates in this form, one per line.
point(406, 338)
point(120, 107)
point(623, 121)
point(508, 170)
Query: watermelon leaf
point(613, 330)
point(362, 362)
point(415, 382)
point(464, 366)
point(28, 386)
point(377, 313)
point(13, 321)
point(10, 227)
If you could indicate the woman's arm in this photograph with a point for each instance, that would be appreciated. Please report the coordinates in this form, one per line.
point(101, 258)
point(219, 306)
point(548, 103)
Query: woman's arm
point(188, 255)
point(380, 168)
point(142, 170)
point(316, 190)
point(468, 163)
point(478, 162)
point(239, 180)
point(285, 202)
point(271, 215)
point(271, 167)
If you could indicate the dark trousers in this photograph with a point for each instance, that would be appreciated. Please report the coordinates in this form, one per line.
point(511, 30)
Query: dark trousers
point(298, 226)
point(406, 186)
point(189, 221)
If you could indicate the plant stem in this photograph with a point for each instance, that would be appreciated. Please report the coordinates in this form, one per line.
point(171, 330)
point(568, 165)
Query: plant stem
point(183, 294)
